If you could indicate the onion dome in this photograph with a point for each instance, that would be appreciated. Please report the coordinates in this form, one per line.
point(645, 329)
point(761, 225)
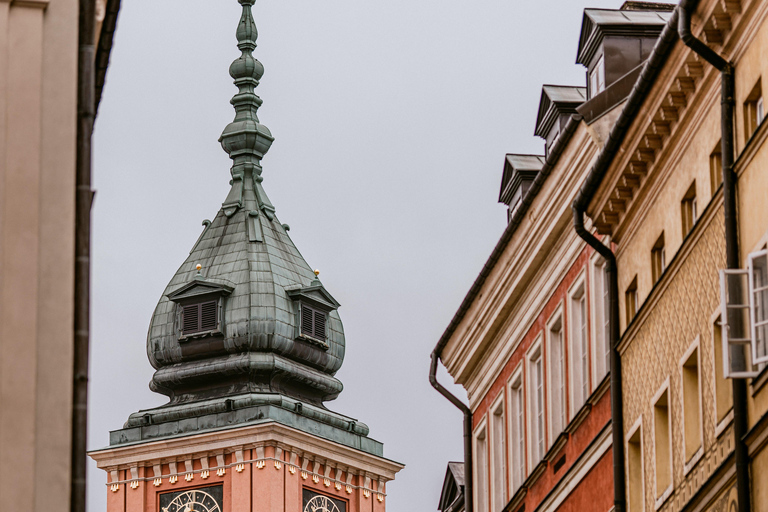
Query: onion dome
point(245, 330)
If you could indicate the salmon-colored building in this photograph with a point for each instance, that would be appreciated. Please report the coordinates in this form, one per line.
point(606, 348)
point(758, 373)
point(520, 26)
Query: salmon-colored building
point(531, 342)
point(245, 341)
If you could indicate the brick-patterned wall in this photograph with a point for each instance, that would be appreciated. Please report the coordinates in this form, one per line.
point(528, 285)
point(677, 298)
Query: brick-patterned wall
point(687, 296)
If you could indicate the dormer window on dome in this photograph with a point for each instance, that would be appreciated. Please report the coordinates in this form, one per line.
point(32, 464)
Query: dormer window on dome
point(312, 304)
point(199, 307)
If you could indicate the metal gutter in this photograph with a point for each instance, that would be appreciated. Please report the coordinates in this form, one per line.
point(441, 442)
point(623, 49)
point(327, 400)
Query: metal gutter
point(726, 69)
point(648, 75)
point(104, 49)
point(509, 231)
point(88, 96)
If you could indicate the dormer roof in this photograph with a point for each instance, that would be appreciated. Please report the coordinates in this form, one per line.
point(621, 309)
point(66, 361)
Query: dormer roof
point(452, 493)
point(557, 100)
point(518, 168)
point(597, 23)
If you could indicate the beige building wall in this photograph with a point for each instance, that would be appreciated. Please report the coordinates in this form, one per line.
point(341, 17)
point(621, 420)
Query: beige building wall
point(38, 115)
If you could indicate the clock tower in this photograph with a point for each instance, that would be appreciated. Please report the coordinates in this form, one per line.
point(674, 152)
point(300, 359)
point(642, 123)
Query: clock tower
point(245, 342)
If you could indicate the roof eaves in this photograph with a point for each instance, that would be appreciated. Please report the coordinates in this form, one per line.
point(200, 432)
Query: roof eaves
point(640, 90)
point(509, 231)
point(104, 49)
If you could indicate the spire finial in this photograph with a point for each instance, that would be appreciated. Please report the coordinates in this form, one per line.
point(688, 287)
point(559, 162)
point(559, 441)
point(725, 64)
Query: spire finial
point(245, 139)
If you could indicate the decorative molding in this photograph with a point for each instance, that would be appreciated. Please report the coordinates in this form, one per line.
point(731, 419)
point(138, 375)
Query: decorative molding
point(134, 477)
point(221, 471)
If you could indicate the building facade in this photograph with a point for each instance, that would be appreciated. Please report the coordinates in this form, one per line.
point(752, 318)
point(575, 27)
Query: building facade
point(40, 56)
point(245, 342)
point(688, 349)
point(531, 343)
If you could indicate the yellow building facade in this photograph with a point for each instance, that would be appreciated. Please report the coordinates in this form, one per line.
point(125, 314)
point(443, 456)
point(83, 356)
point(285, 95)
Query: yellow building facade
point(661, 200)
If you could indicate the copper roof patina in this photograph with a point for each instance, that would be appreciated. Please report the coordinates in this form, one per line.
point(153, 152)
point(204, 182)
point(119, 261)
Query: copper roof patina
point(256, 366)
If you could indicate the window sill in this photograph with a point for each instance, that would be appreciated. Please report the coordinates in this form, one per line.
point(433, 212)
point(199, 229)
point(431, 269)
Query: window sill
point(724, 424)
point(314, 341)
point(201, 334)
point(664, 497)
point(695, 458)
point(759, 381)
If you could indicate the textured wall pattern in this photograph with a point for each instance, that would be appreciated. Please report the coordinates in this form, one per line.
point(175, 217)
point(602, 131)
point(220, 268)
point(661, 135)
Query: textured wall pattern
point(687, 296)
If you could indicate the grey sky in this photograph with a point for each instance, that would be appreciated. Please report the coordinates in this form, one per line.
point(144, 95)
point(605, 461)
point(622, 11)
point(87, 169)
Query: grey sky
point(391, 121)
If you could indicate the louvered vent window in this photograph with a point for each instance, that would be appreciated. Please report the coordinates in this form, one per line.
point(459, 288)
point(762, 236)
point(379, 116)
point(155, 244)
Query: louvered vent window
point(200, 317)
point(312, 322)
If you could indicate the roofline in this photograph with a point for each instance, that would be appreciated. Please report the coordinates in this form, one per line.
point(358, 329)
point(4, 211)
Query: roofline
point(104, 49)
point(551, 159)
point(640, 90)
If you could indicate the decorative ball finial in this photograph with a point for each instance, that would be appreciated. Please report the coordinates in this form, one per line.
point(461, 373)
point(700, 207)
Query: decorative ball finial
point(198, 267)
point(317, 272)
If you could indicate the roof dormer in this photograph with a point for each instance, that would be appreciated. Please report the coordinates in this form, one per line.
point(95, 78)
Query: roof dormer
point(557, 103)
point(519, 173)
point(614, 42)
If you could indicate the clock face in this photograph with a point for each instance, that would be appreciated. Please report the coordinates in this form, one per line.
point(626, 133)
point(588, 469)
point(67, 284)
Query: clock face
point(314, 502)
point(194, 500)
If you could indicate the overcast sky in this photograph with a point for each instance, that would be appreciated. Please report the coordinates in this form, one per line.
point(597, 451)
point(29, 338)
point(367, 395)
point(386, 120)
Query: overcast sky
point(391, 120)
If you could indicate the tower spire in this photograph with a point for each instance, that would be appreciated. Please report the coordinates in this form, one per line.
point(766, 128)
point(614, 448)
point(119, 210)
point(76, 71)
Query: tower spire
point(245, 139)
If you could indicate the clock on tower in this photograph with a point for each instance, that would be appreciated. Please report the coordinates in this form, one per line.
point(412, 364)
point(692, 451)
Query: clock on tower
point(245, 342)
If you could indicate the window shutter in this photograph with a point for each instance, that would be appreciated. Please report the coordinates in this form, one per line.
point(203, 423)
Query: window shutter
point(208, 316)
point(758, 291)
point(191, 318)
point(306, 320)
point(735, 303)
point(319, 325)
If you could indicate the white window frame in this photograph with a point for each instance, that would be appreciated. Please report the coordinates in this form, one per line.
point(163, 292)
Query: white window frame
point(727, 340)
point(754, 303)
point(496, 451)
point(636, 427)
point(720, 425)
point(517, 426)
point(597, 77)
point(689, 463)
point(552, 363)
point(481, 434)
point(600, 316)
point(576, 399)
point(759, 111)
point(662, 496)
point(537, 406)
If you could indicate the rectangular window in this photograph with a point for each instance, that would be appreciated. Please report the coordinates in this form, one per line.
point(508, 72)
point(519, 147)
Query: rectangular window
point(723, 389)
point(658, 258)
point(662, 444)
point(597, 78)
point(517, 419)
point(736, 332)
point(689, 209)
point(536, 387)
point(602, 325)
point(200, 317)
point(753, 111)
point(481, 471)
point(758, 286)
point(312, 322)
point(630, 300)
point(716, 168)
point(636, 498)
point(499, 459)
point(691, 403)
point(579, 349)
point(556, 378)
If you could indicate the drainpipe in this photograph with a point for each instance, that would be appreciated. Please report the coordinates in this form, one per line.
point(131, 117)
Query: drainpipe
point(468, 480)
point(731, 232)
point(617, 411)
point(83, 200)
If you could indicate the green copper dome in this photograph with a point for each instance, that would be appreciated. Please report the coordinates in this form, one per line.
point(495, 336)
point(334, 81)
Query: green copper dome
point(245, 331)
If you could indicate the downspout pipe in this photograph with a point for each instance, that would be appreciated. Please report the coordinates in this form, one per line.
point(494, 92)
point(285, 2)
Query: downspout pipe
point(554, 155)
point(731, 232)
point(617, 411)
point(83, 201)
point(650, 71)
point(468, 480)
